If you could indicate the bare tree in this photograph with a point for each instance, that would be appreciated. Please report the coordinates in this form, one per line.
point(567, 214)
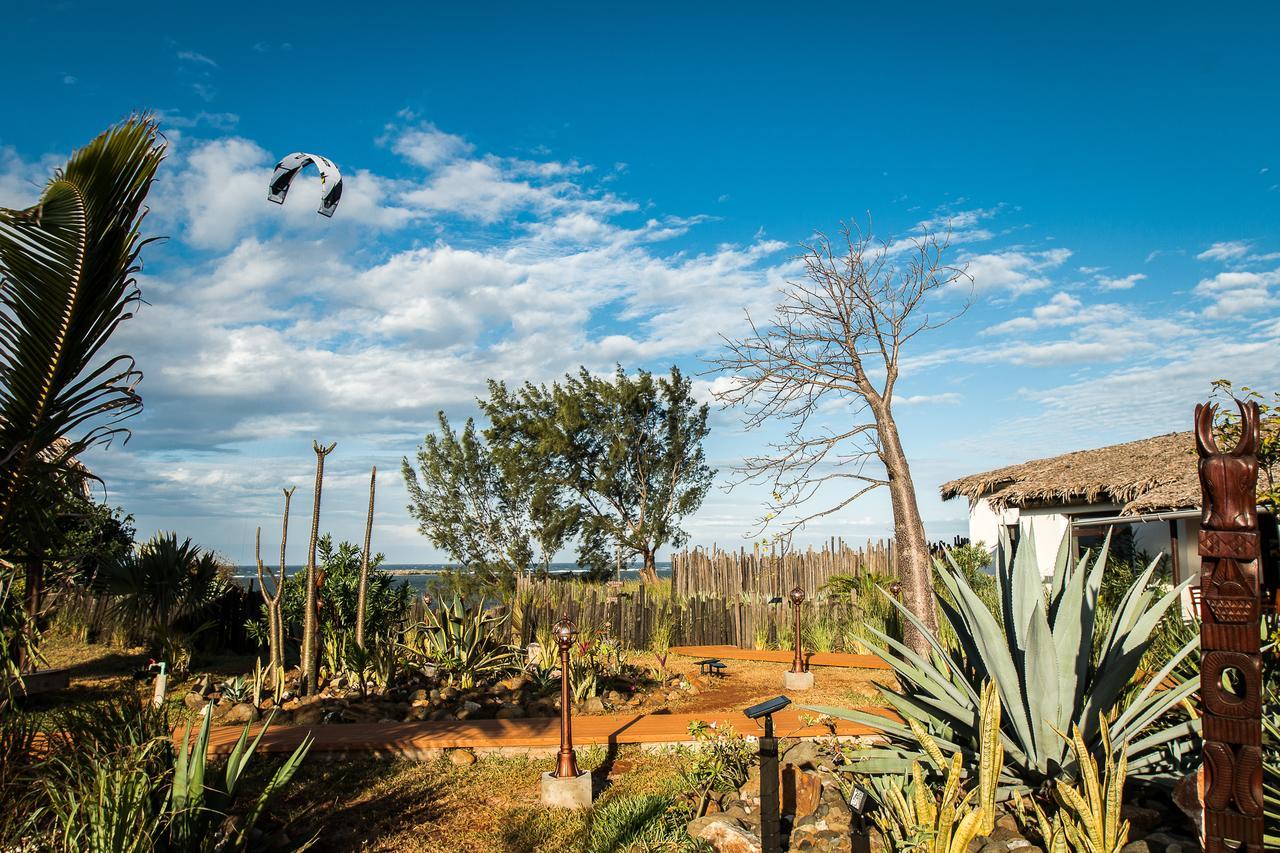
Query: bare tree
point(275, 618)
point(363, 593)
point(310, 644)
point(837, 337)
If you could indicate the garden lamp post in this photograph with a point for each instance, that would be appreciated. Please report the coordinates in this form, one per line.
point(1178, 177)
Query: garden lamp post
point(797, 598)
point(798, 677)
point(567, 767)
point(567, 786)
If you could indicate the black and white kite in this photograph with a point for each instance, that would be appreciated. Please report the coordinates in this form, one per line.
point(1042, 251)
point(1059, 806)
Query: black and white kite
point(289, 167)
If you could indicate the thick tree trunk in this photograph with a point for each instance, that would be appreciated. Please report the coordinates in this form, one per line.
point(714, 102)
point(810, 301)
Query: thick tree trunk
point(649, 573)
point(911, 549)
point(364, 563)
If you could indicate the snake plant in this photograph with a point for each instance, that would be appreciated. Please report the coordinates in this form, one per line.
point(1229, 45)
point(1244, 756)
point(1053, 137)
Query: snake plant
point(911, 818)
point(1088, 817)
point(1041, 655)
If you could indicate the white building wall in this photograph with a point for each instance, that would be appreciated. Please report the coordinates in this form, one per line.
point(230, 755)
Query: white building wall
point(1049, 524)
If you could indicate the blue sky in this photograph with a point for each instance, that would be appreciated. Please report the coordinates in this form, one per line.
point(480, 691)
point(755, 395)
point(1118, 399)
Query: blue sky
point(533, 188)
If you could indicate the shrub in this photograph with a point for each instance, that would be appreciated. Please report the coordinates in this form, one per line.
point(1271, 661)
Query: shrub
point(463, 642)
point(1042, 659)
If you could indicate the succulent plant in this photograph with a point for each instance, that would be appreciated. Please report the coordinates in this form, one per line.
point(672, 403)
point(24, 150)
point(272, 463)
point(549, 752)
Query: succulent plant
point(1040, 654)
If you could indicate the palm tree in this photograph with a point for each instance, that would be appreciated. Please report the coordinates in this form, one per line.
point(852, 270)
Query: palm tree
point(67, 269)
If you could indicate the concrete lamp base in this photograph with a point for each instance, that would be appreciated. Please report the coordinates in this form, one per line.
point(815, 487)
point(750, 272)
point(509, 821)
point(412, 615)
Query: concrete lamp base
point(797, 680)
point(571, 793)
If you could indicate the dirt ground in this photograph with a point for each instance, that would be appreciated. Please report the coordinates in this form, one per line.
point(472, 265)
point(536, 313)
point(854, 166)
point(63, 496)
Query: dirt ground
point(491, 805)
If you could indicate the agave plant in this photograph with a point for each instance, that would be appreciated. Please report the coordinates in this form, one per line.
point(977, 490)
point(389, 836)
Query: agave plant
point(195, 808)
point(1271, 772)
point(463, 641)
point(1040, 654)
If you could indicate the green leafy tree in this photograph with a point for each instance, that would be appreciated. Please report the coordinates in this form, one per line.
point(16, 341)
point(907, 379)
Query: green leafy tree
point(338, 593)
point(625, 454)
point(491, 512)
point(67, 268)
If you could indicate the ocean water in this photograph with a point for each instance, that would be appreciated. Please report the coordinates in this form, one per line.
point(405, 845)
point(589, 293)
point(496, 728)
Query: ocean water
point(418, 575)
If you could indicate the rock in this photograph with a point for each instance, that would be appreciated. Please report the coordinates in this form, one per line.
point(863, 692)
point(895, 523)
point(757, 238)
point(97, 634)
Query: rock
point(515, 682)
point(308, 715)
point(743, 812)
point(801, 792)
point(594, 705)
point(697, 825)
point(805, 755)
point(509, 712)
point(448, 694)
point(1007, 821)
point(1188, 796)
point(195, 701)
point(1141, 818)
point(244, 712)
point(418, 696)
point(471, 707)
point(462, 757)
point(726, 837)
point(673, 696)
point(417, 714)
point(1140, 846)
point(615, 696)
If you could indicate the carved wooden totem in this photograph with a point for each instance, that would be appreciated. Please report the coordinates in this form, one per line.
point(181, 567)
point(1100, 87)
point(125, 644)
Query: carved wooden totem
point(1230, 607)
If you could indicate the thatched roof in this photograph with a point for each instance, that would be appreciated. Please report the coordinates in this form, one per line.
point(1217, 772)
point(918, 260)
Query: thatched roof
point(1151, 475)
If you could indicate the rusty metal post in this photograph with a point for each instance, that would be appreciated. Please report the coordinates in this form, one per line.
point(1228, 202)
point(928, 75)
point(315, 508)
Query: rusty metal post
point(567, 767)
point(1231, 614)
point(797, 662)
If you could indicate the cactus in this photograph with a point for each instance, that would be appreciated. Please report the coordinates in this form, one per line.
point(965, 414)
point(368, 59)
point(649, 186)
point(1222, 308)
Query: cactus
point(275, 619)
point(364, 563)
point(310, 665)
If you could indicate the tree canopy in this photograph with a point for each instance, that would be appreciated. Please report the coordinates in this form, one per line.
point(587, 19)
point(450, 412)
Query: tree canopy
point(612, 464)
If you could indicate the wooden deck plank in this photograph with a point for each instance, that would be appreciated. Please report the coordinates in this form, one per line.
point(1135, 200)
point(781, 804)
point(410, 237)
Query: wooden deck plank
point(408, 739)
point(781, 656)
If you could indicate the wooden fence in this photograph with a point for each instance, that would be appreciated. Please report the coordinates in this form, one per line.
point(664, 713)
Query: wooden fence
point(634, 617)
point(761, 575)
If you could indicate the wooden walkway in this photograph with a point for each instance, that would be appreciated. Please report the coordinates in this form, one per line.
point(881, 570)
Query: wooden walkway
point(779, 656)
point(425, 740)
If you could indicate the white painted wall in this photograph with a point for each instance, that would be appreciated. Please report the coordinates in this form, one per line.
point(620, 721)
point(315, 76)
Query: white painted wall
point(1049, 524)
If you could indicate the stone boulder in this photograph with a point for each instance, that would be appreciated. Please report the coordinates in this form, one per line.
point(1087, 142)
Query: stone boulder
point(241, 713)
point(724, 836)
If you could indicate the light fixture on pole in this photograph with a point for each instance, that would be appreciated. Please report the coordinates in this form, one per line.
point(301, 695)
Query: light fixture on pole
point(798, 677)
point(566, 786)
point(770, 834)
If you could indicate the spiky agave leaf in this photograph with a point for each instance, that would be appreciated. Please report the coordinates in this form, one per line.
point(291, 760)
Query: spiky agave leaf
point(1040, 657)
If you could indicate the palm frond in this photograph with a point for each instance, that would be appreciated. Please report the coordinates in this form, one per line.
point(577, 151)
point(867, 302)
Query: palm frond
point(67, 268)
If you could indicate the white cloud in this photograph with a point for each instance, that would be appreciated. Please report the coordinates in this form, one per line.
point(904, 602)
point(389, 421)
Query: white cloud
point(1014, 271)
point(1120, 283)
point(196, 58)
point(948, 398)
point(1230, 250)
point(427, 146)
point(1234, 294)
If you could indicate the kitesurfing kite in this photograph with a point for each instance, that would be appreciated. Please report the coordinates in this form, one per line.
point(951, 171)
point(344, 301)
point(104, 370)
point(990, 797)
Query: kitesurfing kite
point(289, 167)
